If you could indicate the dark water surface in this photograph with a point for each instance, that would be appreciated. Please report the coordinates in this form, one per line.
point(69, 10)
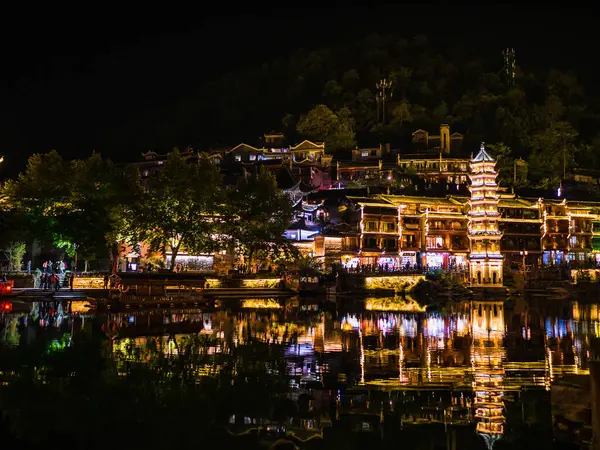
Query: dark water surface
point(244, 373)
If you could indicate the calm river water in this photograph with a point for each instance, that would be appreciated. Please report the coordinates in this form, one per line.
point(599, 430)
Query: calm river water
point(475, 375)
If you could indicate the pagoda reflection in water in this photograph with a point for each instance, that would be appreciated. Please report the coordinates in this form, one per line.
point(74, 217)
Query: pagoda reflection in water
point(467, 359)
point(487, 358)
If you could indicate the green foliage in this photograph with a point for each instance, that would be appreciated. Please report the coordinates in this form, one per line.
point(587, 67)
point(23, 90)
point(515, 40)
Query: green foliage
point(322, 124)
point(77, 205)
point(14, 252)
point(506, 165)
point(260, 213)
point(181, 208)
point(401, 113)
point(308, 265)
point(439, 288)
point(439, 84)
point(554, 150)
point(40, 193)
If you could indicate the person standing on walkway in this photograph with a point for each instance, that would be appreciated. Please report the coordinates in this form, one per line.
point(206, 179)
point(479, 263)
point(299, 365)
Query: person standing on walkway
point(71, 279)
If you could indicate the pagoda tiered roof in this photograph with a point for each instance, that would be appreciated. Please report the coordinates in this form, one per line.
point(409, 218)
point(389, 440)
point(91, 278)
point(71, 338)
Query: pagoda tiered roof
point(482, 156)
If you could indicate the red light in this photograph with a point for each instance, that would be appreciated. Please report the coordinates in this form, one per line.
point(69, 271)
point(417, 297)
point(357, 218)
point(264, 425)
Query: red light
point(8, 288)
point(6, 306)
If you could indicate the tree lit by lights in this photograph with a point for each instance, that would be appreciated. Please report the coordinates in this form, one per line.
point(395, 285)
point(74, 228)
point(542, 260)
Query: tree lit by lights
point(59, 345)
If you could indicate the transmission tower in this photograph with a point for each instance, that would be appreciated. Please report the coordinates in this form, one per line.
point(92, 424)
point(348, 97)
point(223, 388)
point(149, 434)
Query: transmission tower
point(510, 65)
point(384, 93)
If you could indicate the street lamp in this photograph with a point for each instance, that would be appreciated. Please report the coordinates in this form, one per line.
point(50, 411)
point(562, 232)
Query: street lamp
point(524, 255)
point(75, 259)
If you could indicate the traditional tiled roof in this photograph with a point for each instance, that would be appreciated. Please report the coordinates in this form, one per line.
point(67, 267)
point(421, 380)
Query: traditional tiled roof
point(511, 202)
point(483, 156)
point(308, 145)
point(246, 147)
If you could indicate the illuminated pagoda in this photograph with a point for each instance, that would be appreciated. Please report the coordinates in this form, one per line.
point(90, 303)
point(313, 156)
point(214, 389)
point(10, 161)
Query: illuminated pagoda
point(485, 259)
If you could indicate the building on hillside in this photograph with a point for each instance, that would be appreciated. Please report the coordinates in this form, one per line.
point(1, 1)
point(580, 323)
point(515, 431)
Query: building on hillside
point(314, 174)
point(246, 153)
point(585, 176)
point(485, 258)
point(435, 168)
point(305, 151)
point(431, 158)
point(443, 143)
point(275, 140)
point(152, 163)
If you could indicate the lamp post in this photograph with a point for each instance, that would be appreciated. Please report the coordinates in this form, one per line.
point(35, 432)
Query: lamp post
point(517, 162)
point(524, 255)
point(75, 259)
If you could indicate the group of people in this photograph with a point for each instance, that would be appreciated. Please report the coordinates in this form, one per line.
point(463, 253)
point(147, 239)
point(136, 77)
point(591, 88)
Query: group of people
point(52, 281)
point(51, 275)
point(54, 267)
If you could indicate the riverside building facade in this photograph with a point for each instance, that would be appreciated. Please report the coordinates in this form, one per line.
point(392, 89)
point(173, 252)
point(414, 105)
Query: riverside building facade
point(440, 227)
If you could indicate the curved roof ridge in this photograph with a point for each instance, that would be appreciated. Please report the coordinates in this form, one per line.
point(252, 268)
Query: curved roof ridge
point(483, 156)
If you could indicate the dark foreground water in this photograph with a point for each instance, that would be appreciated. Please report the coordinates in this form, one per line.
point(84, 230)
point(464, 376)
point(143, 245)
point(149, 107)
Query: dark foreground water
point(245, 373)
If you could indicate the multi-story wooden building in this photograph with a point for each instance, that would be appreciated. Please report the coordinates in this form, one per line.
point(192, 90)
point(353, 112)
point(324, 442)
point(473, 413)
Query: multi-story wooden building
point(433, 231)
point(521, 225)
point(400, 231)
point(568, 230)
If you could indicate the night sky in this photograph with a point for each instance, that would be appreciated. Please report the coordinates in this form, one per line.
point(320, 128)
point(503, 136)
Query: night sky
point(72, 77)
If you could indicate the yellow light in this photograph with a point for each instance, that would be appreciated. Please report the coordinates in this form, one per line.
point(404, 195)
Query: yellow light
point(260, 303)
point(260, 283)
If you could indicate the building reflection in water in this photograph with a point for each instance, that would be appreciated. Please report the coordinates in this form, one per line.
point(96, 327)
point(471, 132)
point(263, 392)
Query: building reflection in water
point(476, 356)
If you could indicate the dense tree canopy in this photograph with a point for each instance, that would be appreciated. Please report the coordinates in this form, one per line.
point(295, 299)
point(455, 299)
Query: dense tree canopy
point(180, 209)
point(335, 129)
point(259, 215)
point(93, 208)
point(537, 116)
point(76, 205)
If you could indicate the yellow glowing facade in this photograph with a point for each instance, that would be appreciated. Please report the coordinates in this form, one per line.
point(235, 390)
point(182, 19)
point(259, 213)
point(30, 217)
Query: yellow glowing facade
point(485, 259)
point(260, 283)
point(397, 283)
point(261, 303)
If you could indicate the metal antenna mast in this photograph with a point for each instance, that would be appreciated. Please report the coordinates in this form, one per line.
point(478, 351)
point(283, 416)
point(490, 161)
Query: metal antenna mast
point(510, 65)
point(384, 93)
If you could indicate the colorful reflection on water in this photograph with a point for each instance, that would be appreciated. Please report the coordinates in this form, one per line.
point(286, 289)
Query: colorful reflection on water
point(468, 364)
